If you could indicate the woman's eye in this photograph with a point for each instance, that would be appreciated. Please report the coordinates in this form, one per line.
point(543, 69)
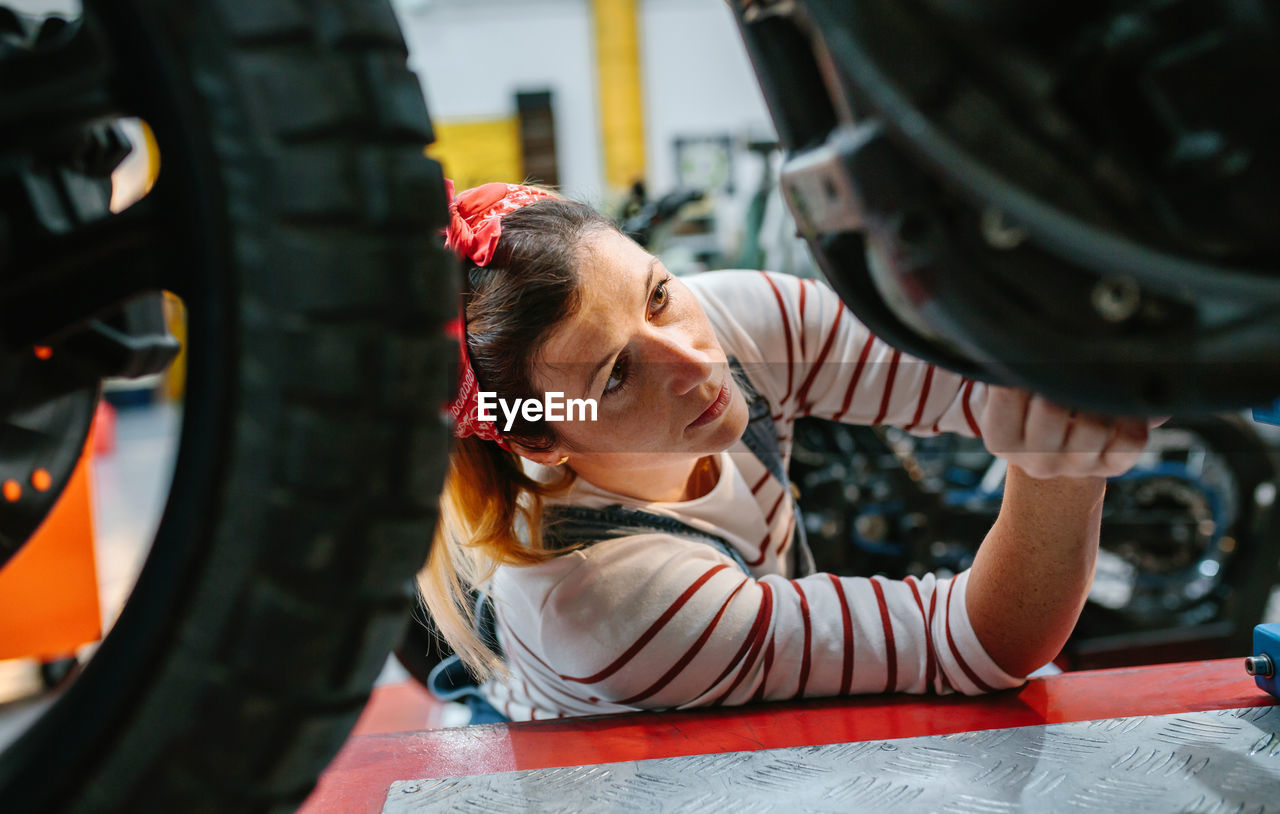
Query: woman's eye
point(617, 376)
point(661, 296)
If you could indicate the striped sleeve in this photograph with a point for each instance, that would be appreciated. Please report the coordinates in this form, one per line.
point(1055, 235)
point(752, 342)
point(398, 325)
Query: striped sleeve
point(659, 622)
point(821, 361)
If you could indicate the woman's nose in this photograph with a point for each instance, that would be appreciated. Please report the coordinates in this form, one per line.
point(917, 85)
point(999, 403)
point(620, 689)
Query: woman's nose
point(680, 362)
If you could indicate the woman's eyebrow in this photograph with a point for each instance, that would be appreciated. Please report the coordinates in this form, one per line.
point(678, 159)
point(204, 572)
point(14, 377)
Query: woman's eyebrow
point(644, 295)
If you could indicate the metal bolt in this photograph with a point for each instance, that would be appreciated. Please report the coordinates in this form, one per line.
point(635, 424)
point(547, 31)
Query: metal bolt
point(1116, 299)
point(997, 231)
point(1260, 666)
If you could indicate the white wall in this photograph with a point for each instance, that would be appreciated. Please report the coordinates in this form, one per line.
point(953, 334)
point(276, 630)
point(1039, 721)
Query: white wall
point(697, 82)
point(472, 55)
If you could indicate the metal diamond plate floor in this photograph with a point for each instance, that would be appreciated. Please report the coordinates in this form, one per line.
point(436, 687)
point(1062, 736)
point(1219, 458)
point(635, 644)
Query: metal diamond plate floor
point(1217, 762)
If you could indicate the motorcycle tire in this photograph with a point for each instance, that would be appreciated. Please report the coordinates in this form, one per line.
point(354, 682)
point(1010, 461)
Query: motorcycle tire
point(299, 220)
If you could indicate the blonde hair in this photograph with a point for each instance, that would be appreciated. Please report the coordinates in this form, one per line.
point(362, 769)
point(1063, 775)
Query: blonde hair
point(490, 510)
point(490, 515)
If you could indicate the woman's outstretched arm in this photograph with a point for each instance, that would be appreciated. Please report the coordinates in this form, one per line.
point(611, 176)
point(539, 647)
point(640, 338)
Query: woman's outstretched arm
point(1031, 575)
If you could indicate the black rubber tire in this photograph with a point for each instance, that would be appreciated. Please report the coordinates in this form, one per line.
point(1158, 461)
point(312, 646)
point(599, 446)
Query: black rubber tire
point(312, 448)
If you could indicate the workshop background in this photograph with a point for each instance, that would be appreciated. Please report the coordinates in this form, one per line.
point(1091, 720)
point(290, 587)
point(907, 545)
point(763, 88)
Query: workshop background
point(620, 103)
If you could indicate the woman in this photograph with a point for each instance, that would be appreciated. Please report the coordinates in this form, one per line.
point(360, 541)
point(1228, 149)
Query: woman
point(651, 558)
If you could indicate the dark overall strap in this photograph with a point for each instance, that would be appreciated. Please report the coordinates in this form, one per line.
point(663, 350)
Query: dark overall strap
point(761, 434)
point(761, 437)
point(566, 526)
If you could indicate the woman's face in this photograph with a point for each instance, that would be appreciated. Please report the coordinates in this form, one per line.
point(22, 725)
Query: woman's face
point(642, 347)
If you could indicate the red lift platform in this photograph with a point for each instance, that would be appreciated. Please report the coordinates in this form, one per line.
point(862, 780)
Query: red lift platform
point(1195, 736)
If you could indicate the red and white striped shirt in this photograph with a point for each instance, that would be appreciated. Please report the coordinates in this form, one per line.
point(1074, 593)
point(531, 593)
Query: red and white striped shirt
point(657, 621)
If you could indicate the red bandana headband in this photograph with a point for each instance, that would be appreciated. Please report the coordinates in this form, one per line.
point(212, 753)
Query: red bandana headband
point(475, 223)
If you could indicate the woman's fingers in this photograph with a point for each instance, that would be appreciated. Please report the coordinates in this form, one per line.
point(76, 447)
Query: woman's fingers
point(1126, 446)
point(1046, 440)
point(1047, 426)
point(1003, 418)
point(1045, 435)
point(1090, 434)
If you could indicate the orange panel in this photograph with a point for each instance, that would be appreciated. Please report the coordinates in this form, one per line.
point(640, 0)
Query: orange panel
point(49, 590)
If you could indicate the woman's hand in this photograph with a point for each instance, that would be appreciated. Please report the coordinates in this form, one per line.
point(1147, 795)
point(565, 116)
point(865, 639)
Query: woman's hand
point(1048, 441)
point(1031, 575)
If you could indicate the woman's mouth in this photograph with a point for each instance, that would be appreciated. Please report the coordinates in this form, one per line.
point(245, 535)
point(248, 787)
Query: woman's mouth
point(717, 407)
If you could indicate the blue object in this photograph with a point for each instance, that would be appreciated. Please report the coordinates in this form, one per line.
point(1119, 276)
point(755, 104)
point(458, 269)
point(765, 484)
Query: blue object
point(1267, 415)
point(450, 680)
point(1265, 661)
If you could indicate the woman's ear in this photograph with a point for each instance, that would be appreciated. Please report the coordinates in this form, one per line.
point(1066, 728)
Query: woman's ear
point(547, 457)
